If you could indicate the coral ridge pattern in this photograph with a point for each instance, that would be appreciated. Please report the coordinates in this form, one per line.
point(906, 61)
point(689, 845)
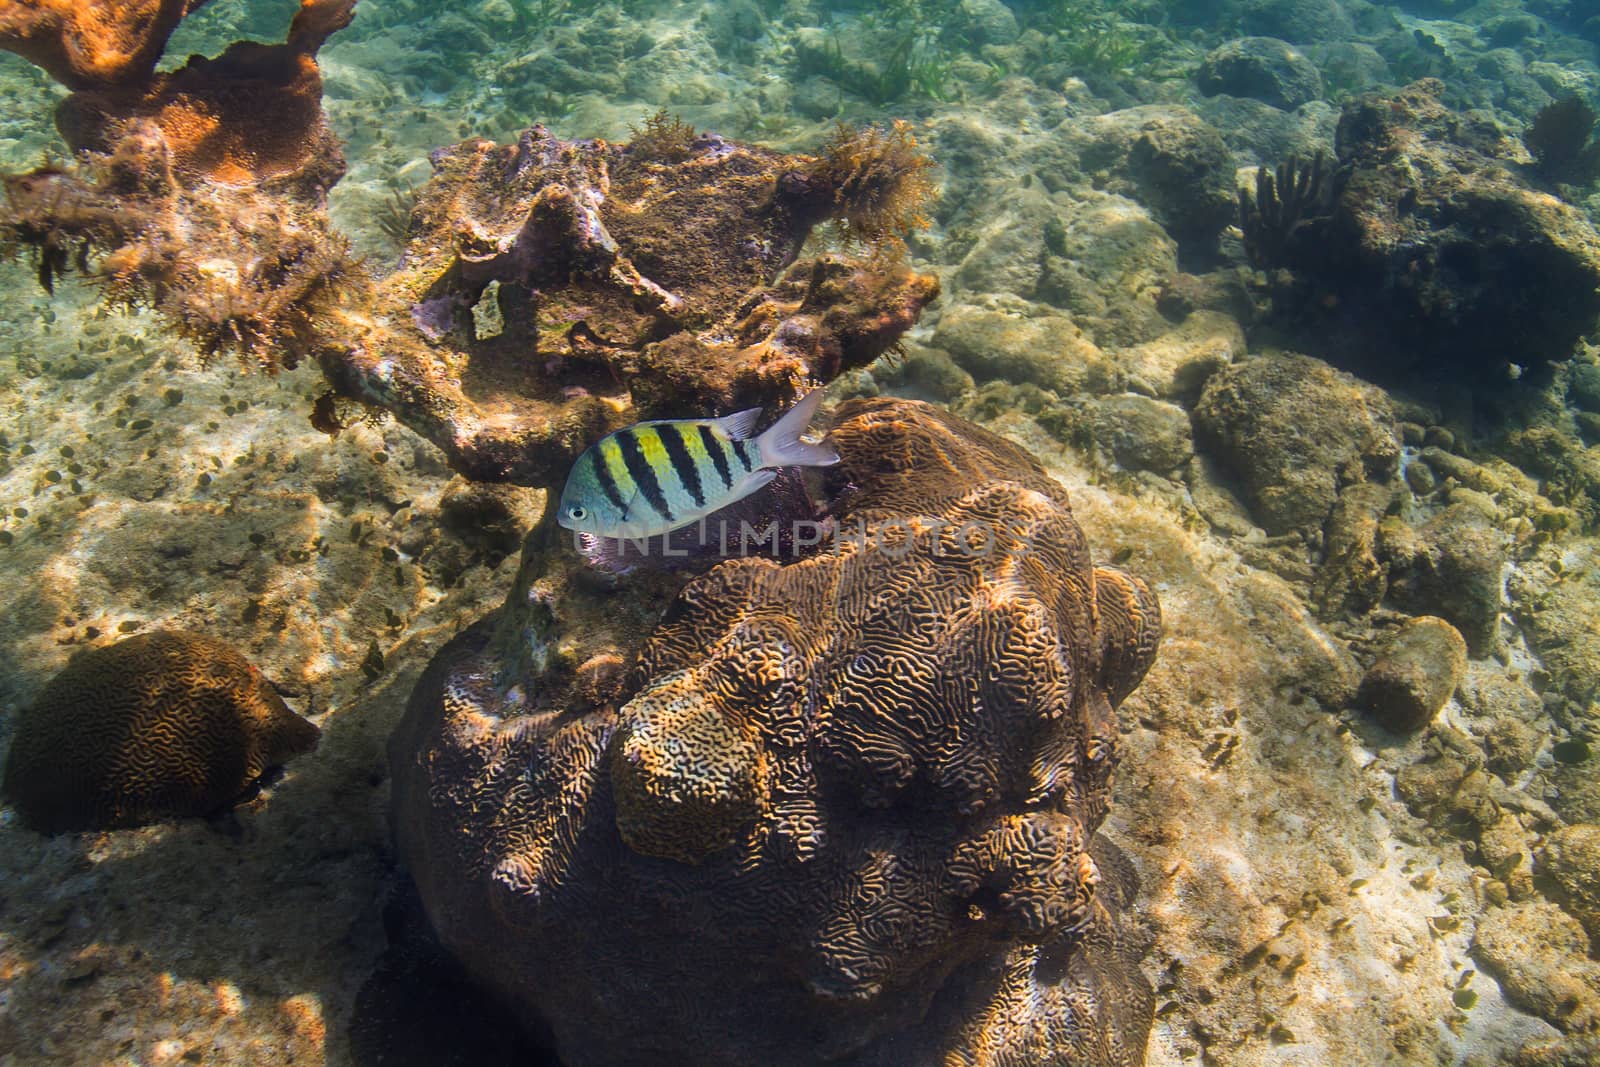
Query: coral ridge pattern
point(158, 725)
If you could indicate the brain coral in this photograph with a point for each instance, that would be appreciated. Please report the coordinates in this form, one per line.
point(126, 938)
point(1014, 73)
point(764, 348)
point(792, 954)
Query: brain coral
point(159, 725)
point(842, 809)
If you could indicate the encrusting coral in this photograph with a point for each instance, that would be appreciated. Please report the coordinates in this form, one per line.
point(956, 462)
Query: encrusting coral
point(157, 726)
point(200, 194)
point(840, 808)
point(554, 290)
point(232, 269)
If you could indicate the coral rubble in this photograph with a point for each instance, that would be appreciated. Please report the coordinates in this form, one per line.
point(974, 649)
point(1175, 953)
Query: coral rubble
point(839, 808)
point(159, 725)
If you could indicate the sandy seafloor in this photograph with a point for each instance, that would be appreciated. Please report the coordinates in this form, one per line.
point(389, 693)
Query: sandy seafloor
point(1299, 912)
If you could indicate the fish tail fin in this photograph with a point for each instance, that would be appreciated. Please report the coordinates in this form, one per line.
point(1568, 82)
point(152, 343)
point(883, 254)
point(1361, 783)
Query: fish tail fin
point(781, 445)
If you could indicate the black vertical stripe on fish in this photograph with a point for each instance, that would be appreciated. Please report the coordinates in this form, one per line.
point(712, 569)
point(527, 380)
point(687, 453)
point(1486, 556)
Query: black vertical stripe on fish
point(744, 456)
point(608, 484)
point(682, 463)
point(718, 453)
point(643, 476)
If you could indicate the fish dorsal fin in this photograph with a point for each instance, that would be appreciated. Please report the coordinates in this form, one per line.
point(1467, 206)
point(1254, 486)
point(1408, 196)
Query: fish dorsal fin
point(740, 425)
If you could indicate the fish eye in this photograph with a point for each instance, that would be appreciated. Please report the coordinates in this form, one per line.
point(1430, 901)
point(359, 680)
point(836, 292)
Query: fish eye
point(576, 512)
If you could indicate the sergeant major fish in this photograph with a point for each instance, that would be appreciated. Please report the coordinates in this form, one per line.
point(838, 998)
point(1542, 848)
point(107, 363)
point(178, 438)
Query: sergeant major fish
point(655, 477)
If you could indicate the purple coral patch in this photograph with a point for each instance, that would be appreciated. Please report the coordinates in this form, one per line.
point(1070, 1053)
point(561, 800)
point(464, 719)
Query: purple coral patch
point(436, 317)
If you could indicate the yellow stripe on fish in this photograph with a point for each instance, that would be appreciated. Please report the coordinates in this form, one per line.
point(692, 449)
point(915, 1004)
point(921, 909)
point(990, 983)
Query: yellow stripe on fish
point(654, 477)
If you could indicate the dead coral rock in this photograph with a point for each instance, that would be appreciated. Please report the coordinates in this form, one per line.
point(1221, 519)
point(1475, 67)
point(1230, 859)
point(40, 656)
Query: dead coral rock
point(1451, 567)
point(1509, 747)
point(492, 519)
point(551, 291)
point(1571, 858)
point(1048, 350)
point(1169, 159)
point(1417, 670)
point(843, 809)
point(91, 44)
point(253, 114)
point(1449, 793)
point(1539, 955)
point(1136, 432)
point(159, 725)
point(1352, 578)
point(1554, 598)
point(1262, 68)
point(1293, 431)
point(1175, 365)
point(1437, 248)
point(628, 282)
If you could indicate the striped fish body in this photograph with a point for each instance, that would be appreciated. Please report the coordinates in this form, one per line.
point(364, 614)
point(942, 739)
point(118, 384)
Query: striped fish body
point(654, 477)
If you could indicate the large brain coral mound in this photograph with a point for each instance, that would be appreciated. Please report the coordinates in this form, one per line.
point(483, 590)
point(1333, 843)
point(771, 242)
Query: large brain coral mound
point(553, 290)
point(156, 726)
point(841, 809)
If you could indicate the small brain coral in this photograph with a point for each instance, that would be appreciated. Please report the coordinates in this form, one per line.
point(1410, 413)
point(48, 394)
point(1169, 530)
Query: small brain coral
point(844, 809)
point(160, 725)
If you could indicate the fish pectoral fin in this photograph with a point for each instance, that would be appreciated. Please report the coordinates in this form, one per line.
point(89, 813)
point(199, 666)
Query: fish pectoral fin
point(627, 512)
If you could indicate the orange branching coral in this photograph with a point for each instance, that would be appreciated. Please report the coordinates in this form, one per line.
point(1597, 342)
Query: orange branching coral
point(160, 725)
point(91, 44)
point(831, 792)
point(253, 114)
